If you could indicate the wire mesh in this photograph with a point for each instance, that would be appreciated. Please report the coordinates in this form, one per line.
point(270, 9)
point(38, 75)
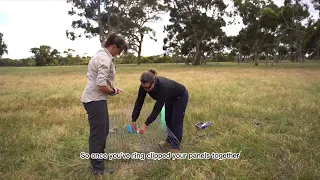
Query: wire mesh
point(137, 146)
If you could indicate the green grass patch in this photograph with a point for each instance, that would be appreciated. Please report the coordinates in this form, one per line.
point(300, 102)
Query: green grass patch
point(270, 115)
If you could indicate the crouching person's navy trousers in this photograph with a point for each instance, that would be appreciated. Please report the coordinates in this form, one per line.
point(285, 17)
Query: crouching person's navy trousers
point(174, 115)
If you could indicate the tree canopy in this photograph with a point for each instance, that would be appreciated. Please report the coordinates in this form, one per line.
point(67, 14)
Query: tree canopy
point(195, 33)
point(3, 46)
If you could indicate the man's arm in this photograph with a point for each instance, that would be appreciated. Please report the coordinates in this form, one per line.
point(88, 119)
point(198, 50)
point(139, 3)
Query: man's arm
point(107, 90)
point(103, 72)
point(138, 104)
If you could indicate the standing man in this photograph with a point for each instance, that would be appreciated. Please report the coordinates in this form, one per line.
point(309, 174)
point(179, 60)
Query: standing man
point(100, 84)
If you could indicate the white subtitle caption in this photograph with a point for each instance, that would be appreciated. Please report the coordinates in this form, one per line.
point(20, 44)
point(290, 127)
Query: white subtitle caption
point(160, 156)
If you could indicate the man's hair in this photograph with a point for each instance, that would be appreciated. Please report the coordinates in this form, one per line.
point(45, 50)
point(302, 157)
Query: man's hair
point(148, 77)
point(117, 40)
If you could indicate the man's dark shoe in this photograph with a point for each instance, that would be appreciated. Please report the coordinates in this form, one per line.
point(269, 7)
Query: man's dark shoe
point(106, 171)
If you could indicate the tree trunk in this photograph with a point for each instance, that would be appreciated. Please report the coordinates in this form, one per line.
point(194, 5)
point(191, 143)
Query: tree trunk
point(317, 57)
point(277, 54)
point(218, 55)
point(197, 56)
point(266, 57)
point(274, 59)
point(301, 62)
point(239, 57)
point(140, 49)
point(256, 58)
point(300, 56)
point(291, 55)
point(280, 59)
point(101, 30)
point(139, 53)
point(204, 60)
point(196, 60)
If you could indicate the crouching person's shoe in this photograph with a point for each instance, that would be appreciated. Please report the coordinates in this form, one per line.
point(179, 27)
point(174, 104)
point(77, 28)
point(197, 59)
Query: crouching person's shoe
point(164, 145)
point(175, 150)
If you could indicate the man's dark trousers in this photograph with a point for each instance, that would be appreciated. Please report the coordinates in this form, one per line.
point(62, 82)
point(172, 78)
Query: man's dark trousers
point(174, 115)
point(98, 118)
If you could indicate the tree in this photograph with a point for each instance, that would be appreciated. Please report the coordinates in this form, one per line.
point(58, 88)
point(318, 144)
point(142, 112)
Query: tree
point(195, 24)
point(128, 18)
point(3, 46)
point(313, 34)
point(129, 58)
point(251, 12)
point(44, 55)
point(312, 42)
point(268, 26)
point(101, 17)
point(269, 23)
point(143, 12)
point(68, 59)
point(292, 16)
point(222, 42)
point(316, 4)
point(241, 45)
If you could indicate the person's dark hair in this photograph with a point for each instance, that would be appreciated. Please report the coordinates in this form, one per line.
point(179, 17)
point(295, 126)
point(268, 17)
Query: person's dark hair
point(116, 40)
point(148, 77)
point(152, 71)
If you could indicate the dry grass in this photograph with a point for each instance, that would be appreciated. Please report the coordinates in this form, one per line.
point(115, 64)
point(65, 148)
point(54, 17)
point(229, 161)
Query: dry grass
point(270, 115)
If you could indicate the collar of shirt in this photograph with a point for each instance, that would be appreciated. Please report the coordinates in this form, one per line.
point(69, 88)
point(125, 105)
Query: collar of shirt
point(156, 86)
point(108, 52)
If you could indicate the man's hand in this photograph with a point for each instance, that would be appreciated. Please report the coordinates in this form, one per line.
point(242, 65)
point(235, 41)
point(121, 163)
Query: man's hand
point(143, 129)
point(116, 91)
point(111, 91)
point(119, 91)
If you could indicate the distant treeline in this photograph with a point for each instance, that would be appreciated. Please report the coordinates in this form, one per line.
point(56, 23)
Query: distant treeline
point(124, 59)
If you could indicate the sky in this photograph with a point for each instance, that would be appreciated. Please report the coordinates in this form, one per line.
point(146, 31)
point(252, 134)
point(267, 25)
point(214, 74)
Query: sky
point(30, 23)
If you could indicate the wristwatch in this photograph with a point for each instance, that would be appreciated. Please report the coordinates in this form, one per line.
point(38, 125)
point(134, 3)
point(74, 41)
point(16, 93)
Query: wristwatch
point(115, 91)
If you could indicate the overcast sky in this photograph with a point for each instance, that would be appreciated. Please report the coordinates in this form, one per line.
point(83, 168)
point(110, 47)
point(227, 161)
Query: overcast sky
point(31, 23)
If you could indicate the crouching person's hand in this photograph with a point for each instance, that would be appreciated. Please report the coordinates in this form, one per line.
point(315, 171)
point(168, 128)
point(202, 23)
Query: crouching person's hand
point(134, 126)
point(143, 129)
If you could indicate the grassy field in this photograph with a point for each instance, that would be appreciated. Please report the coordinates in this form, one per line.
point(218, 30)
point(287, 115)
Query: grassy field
point(270, 115)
